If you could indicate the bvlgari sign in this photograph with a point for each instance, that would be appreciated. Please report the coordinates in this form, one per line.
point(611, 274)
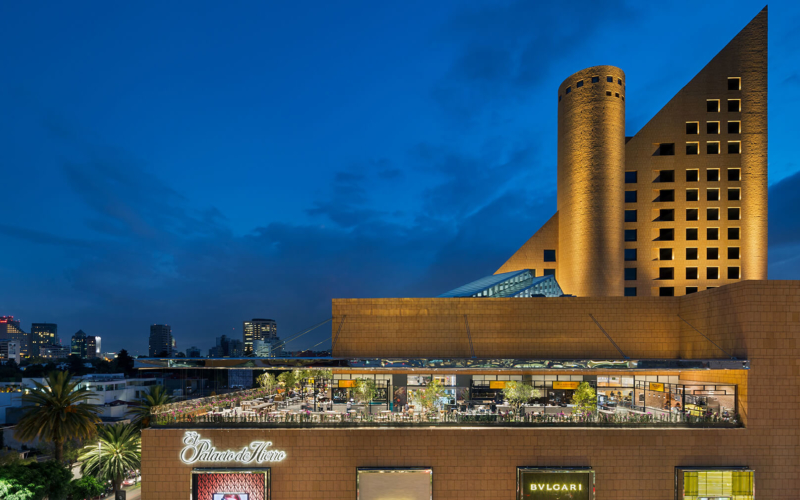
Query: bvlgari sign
point(198, 450)
point(555, 484)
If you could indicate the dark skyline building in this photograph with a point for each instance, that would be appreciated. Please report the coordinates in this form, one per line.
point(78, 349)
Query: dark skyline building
point(258, 329)
point(161, 340)
point(43, 334)
point(10, 329)
point(78, 344)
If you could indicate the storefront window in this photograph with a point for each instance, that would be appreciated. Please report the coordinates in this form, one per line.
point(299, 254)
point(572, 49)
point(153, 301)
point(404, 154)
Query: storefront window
point(231, 484)
point(389, 484)
point(714, 484)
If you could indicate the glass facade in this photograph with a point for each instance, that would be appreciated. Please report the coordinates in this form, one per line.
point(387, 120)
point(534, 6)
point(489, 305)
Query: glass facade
point(735, 483)
point(514, 284)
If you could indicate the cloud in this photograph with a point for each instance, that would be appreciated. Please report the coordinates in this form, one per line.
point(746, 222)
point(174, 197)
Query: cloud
point(40, 237)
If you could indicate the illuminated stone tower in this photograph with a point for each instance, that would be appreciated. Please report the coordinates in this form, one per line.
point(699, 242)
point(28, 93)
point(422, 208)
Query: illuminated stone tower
point(591, 179)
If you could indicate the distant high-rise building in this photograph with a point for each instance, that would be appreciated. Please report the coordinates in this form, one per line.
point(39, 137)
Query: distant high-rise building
point(42, 334)
point(54, 351)
point(11, 330)
point(78, 344)
point(258, 328)
point(227, 347)
point(267, 348)
point(92, 346)
point(193, 352)
point(161, 340)
point(9, 349)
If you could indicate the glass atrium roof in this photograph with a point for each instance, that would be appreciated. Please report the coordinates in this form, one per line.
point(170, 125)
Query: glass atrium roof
point(514, 284)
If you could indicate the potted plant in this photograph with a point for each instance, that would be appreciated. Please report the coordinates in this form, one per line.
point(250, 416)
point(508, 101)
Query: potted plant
point(519, 393)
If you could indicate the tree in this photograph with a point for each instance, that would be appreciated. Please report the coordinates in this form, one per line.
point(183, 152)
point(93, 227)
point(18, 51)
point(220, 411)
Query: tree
point(518, 393)
point(85, 488)
point(57, 411)
point(430, 397)
point(365, 390)
point(119, 451)
point(70, 451)
point(75, 364)
point(34, 480)
point(141, 411)
point(125, 362)
point(289, 379)
point(585, 399)
point(267, 381)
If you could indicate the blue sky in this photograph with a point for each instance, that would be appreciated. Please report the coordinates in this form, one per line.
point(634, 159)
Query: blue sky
point(199, 164)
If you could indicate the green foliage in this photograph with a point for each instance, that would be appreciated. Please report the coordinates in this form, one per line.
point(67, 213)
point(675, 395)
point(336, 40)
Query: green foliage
point(267, 381)
point(124, 363)
point(34, 481)
point(119, 451)
point(70, 450)
point(57, 411)
point(519, 393)
point(155, 396)
point(585, 399)
point(429, 399)
point(85, 488)
point(289, 379)
point(365, 390)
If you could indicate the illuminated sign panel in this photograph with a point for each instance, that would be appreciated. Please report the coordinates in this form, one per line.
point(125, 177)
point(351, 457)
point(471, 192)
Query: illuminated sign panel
point(198, 450)
point(555, 484)
point(656, 387)
point(566, 385)
point(497, 384)
point(347, 383)
point(696, 483)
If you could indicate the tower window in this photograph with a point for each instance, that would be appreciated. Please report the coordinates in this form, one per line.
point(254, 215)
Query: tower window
point(630, 235)
point(630, 274)
point(549, 255)
point(666, 234)
point(712, 214)
point(712, 233)
point(608, 93)
point(619, 81)
point(667, 149)
point(712, 273)
point(733, 233)
point(666, 176)
point(712, 128)
point(569, 89)
point(666, 291)
point(734, 174)
point(630, 215)
point(666, 195)
point(692, 175)
point(630, 254)
point(712, 175)
point(712, 194)
point(733, 253)
point(666, 273)
point(666, 214)
point(595, 79)
point(692, 195)
point(734, 127)
point(734, 147)
point(734, 194)
point(712, 253)
point(579, 84)
point(733, 273)
point(630, 291)
point(549, 272)
point(692, 214)
point(691, 254)
point(692, 128)
point(691, 234)
point(610, 79)
point(691, 289)
point(630, 196)
point(631, 177)
point(712, 148)
point(664, 254)
point(692, 148)
point(712, 105)
point(734, 105)
point(691, 273)
point(734, 83)
point(733, 213)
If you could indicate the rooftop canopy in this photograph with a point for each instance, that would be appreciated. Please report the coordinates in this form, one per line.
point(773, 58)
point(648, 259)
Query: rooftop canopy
point(522, 283)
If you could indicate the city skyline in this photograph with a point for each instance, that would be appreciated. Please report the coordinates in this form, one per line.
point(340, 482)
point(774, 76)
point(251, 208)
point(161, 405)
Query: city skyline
point(404, 179)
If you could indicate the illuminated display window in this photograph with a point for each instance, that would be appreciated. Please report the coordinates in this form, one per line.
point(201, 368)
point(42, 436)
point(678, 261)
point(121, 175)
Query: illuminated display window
point(735, 483)
point(410, 483)
point(534, 483)
point(231, 484)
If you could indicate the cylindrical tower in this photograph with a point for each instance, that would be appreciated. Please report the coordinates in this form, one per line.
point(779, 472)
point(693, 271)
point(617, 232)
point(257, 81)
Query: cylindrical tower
point(591, 182)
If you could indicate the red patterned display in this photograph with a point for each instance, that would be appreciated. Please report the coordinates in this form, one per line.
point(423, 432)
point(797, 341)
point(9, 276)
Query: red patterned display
point(251, 483)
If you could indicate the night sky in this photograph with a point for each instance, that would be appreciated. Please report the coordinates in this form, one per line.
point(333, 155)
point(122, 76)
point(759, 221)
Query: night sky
point(203, 163)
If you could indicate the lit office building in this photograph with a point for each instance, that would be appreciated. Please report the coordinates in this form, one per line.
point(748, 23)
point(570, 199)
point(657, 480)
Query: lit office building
point(10, 329)
point(78, 344)
point(42, 334)
point(160, 340)
point(258, 329)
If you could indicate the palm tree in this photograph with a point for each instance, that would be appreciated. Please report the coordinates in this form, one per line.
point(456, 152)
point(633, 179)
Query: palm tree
point(156, 396)
point(119, 450)
point(58, 411)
